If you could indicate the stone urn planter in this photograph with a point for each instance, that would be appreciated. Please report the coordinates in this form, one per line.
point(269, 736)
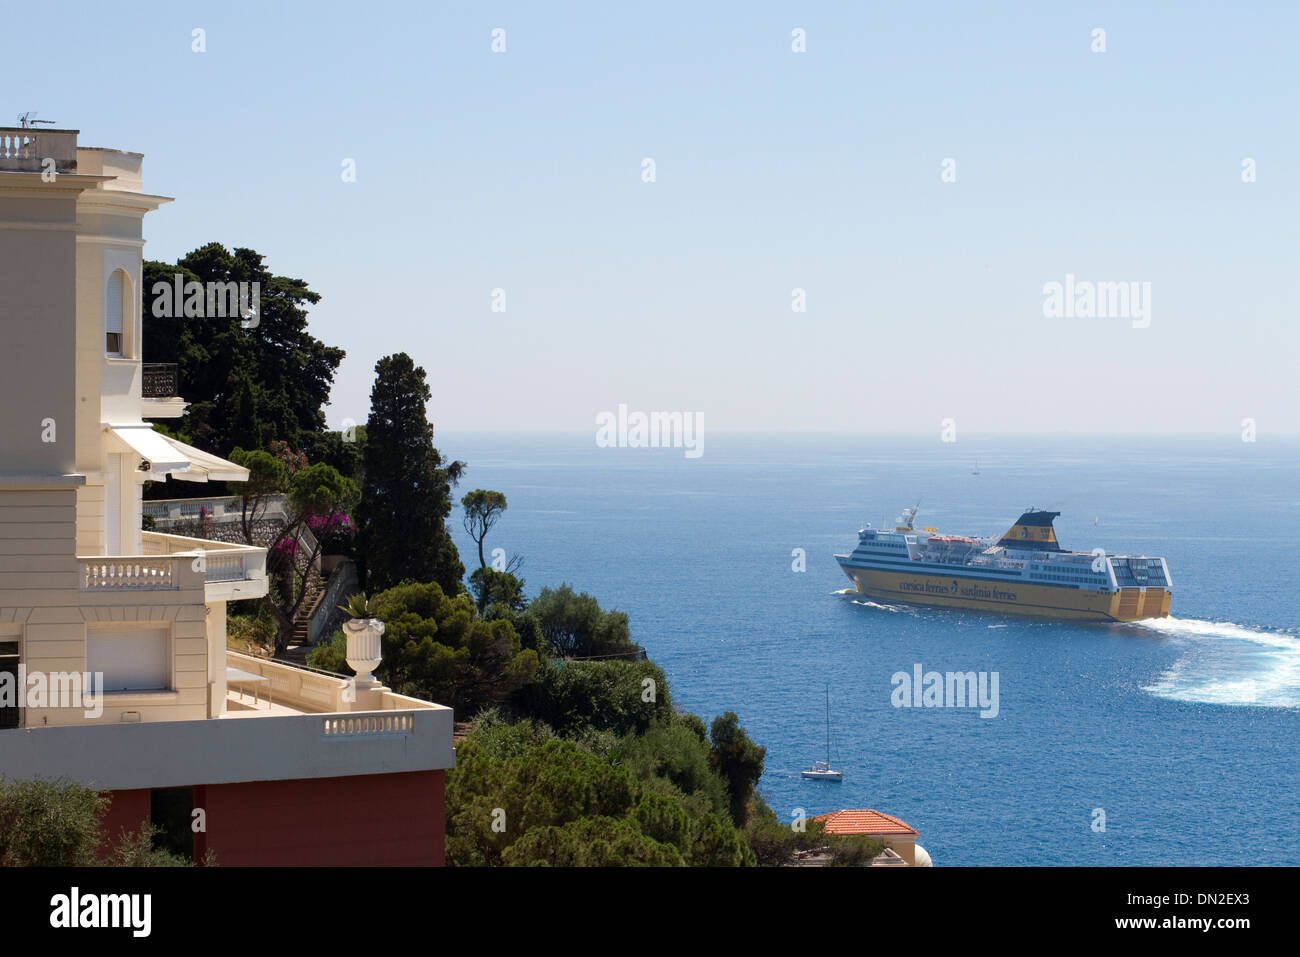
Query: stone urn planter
point(365, 647)
point(365, 640)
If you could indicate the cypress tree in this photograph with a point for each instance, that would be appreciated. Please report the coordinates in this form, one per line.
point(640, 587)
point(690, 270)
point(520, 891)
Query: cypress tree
point(406, 496)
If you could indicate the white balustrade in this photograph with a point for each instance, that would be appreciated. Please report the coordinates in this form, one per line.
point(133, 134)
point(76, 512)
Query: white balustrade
point(17, 145)
point(224, 568)
point(128, 574)
point(389, 722)
point(27, 150)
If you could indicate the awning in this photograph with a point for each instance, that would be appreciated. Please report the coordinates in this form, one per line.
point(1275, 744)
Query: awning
point(211, 467)
point(166, 456)
point(152, 447)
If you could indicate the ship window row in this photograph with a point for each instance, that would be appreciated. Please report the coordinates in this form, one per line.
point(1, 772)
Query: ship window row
point(1088, 573)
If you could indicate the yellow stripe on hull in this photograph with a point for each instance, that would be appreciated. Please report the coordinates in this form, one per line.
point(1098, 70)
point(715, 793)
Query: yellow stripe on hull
point(1019, 598)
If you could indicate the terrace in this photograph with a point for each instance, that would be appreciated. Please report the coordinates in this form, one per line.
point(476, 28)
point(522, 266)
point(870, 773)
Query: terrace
point(301, 724)
point(217, 509)
point(228, 572)
point(24, 150)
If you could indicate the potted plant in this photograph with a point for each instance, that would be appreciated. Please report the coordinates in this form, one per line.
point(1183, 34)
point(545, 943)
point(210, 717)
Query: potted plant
point(364, 633)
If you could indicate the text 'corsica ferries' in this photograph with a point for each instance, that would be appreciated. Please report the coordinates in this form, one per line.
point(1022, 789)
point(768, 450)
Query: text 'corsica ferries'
point(1025, 572)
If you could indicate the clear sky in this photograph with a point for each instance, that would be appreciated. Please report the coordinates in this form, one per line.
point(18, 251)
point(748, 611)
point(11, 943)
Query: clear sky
point(774, 170)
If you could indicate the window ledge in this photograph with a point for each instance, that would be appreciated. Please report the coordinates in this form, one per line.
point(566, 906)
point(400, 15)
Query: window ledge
point(166, 694)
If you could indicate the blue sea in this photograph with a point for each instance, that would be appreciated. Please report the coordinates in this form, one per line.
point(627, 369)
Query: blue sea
point(1184, 732)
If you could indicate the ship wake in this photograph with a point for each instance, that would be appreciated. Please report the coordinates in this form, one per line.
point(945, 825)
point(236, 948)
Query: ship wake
point(855, 597)
point(1229, 664)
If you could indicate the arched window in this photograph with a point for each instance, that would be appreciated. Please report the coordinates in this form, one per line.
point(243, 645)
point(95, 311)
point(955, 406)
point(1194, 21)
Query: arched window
point(119, 317)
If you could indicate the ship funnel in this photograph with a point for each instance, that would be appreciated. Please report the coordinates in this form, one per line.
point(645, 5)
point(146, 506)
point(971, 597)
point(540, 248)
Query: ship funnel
point(1034, 530)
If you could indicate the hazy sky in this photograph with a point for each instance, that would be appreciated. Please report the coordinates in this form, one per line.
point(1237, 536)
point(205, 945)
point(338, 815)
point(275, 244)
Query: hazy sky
point(774, 170)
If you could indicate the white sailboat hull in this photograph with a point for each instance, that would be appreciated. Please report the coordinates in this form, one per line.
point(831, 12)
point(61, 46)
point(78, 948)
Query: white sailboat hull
point(823, 775)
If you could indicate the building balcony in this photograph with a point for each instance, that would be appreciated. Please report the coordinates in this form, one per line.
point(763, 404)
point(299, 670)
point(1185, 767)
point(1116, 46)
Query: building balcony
point(261, 687)
point(228, 572)
point(160, 391)
point(158, 380)
point(308, 733)
point(24, 150)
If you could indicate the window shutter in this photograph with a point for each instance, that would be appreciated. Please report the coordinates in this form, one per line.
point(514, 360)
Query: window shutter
point(113, 313)
point(131, 660)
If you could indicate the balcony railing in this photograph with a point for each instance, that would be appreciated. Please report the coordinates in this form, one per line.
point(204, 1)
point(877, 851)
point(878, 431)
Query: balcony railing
point(313, 691)
point(218, 509)
point(128, 573)
point(121, 756)
point(25, 150)
point(218, 561)
point(216, 565)
point(158, 380)
point(388, 722)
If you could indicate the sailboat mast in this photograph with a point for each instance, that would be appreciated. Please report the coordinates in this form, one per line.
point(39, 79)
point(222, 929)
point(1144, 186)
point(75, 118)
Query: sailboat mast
point(828, 726)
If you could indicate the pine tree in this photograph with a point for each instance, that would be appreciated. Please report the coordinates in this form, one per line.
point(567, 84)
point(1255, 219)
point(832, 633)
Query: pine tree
point(292, 372)
point(406, 497)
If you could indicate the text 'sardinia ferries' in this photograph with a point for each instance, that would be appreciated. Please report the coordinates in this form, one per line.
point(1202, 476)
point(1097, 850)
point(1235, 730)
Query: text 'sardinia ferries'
point(1025, 571)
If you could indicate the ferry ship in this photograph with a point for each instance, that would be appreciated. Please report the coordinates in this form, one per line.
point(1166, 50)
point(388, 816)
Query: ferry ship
point(1024, 572)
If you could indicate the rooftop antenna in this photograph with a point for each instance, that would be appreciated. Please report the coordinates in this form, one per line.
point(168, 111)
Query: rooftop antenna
point(28, 119)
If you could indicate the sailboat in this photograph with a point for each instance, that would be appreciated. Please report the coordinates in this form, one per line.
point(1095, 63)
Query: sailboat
point(976, 469)
point(821, 770)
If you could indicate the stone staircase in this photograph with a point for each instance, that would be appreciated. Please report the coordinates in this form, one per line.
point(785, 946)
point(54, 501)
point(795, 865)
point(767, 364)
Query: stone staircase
point(299, 644)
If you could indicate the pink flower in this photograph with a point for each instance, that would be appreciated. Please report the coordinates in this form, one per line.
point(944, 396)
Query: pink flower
point(335, 522)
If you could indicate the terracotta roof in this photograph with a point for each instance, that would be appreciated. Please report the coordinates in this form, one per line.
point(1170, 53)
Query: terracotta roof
point(864, 822)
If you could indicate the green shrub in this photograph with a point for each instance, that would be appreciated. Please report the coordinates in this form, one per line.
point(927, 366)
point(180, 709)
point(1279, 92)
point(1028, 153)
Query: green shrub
point(331, 655)
point(575, 626)
point(252, 633)
point(556, 803)
point(435, 648)
point(575, 697)
point(669, 749)
point(136, 849)
point(853, 850)
point(49, 823)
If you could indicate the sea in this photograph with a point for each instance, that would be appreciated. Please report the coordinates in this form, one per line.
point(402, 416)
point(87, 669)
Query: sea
point(1165, 742)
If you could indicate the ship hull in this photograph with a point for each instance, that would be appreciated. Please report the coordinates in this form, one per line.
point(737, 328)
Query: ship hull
point(1010, 597)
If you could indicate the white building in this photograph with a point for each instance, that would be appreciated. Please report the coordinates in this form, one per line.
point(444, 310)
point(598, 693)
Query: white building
point(83, 591)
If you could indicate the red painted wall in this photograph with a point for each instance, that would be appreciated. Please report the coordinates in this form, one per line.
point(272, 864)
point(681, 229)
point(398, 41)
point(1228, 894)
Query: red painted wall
point(127, 810)
point(367, 819)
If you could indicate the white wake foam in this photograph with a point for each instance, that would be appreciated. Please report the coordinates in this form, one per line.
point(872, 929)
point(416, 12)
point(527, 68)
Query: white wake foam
point(1230, 664)
point(854, 597)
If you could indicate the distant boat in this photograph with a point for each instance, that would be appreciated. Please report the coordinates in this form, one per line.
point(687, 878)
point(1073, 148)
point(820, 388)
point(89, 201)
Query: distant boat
point(1025, 571)
point(821, 770)
point(976, 469)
